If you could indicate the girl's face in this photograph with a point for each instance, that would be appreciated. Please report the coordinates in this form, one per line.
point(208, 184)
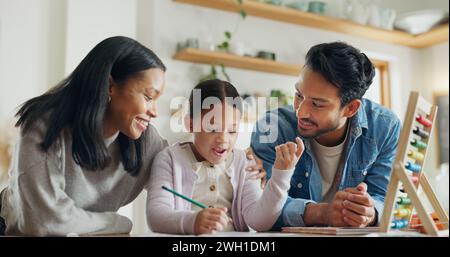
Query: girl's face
point(133, 104)
point(219, 130)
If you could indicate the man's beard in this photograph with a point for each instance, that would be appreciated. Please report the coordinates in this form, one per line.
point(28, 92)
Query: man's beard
point(320, 132)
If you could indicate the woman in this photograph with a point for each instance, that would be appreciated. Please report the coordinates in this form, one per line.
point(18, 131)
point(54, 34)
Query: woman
point(86, 146)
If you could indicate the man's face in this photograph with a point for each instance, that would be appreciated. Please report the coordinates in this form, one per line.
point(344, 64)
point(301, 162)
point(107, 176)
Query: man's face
point(317, 105)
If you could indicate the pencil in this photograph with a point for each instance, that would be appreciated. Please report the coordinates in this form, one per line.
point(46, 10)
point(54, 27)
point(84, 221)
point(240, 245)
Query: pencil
point(185, 197)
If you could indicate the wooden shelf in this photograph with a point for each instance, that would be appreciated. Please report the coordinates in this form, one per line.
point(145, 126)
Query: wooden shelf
point(242, 62)
point(284, 14)
point(248, 63)
point(257, 64)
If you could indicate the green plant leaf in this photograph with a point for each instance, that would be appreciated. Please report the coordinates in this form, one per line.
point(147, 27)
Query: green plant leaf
point(224, 72)
point(243, 14)
point(228, 34)
point(224, 46)
point(212, 74)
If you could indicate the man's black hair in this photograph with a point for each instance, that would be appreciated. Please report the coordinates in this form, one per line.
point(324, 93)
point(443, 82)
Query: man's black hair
point(344, 66)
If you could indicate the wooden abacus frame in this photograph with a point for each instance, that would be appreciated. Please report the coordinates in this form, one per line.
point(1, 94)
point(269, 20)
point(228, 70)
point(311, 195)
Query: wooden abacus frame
point(417, 105)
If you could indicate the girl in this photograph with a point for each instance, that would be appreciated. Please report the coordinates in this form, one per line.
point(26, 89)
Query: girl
point(212, 172)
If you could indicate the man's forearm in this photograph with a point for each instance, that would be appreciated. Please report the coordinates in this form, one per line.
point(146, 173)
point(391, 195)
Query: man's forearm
point(315, 214)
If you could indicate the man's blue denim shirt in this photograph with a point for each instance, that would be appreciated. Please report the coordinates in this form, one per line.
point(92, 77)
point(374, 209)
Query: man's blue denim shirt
point(370, 154)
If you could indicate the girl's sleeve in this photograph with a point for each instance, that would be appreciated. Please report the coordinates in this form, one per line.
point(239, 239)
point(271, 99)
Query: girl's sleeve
point(161, 214)
point(261, 208)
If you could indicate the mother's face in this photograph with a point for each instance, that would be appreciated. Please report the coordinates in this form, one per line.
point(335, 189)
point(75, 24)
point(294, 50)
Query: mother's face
point(133, 103)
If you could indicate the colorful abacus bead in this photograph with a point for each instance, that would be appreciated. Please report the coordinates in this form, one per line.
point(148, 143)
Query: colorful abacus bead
point(421, 133)
point(402, 212)
point(416, 155)
point(424, 121)
point(413, 167)
point(398, 224)
point(418, 144)
point(414, 179)
point(403, 200)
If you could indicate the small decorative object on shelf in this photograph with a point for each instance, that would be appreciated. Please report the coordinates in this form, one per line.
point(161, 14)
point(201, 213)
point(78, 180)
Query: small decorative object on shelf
point(420, 21)
point(274, 2)
point(359, 12)
point(298, 5)
point(317, 7)
point(266, 55)
point(237, 48)
point(189, 43)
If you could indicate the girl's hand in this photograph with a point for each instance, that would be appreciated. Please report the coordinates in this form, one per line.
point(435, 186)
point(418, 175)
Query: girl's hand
point(210, 220)
point(287, 155)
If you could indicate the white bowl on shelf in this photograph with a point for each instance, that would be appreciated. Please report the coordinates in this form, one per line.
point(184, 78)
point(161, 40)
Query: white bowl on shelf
point(421, 21)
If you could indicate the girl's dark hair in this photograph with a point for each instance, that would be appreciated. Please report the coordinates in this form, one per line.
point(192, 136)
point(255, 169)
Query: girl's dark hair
point(344, 66)
point(81, 99)
point(222, 90)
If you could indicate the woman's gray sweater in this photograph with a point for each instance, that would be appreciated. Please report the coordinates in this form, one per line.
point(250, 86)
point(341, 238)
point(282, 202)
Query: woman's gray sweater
point(49, 194)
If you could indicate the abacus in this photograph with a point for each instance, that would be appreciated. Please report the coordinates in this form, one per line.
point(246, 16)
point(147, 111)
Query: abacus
point(407, 173)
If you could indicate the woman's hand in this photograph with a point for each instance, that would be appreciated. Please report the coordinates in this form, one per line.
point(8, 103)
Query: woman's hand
point(287, 155)
point(211, 220)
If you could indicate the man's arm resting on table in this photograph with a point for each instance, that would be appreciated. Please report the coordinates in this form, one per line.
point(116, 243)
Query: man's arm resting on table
point(293, 213)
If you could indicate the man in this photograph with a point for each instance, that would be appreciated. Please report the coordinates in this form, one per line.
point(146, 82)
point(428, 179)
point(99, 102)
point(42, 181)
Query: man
point(350, 142)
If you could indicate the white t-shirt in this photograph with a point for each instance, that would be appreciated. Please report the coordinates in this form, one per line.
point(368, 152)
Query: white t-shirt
point(328, 159)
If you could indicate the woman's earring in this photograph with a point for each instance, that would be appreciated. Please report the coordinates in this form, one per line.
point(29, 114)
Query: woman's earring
point(109, 99)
